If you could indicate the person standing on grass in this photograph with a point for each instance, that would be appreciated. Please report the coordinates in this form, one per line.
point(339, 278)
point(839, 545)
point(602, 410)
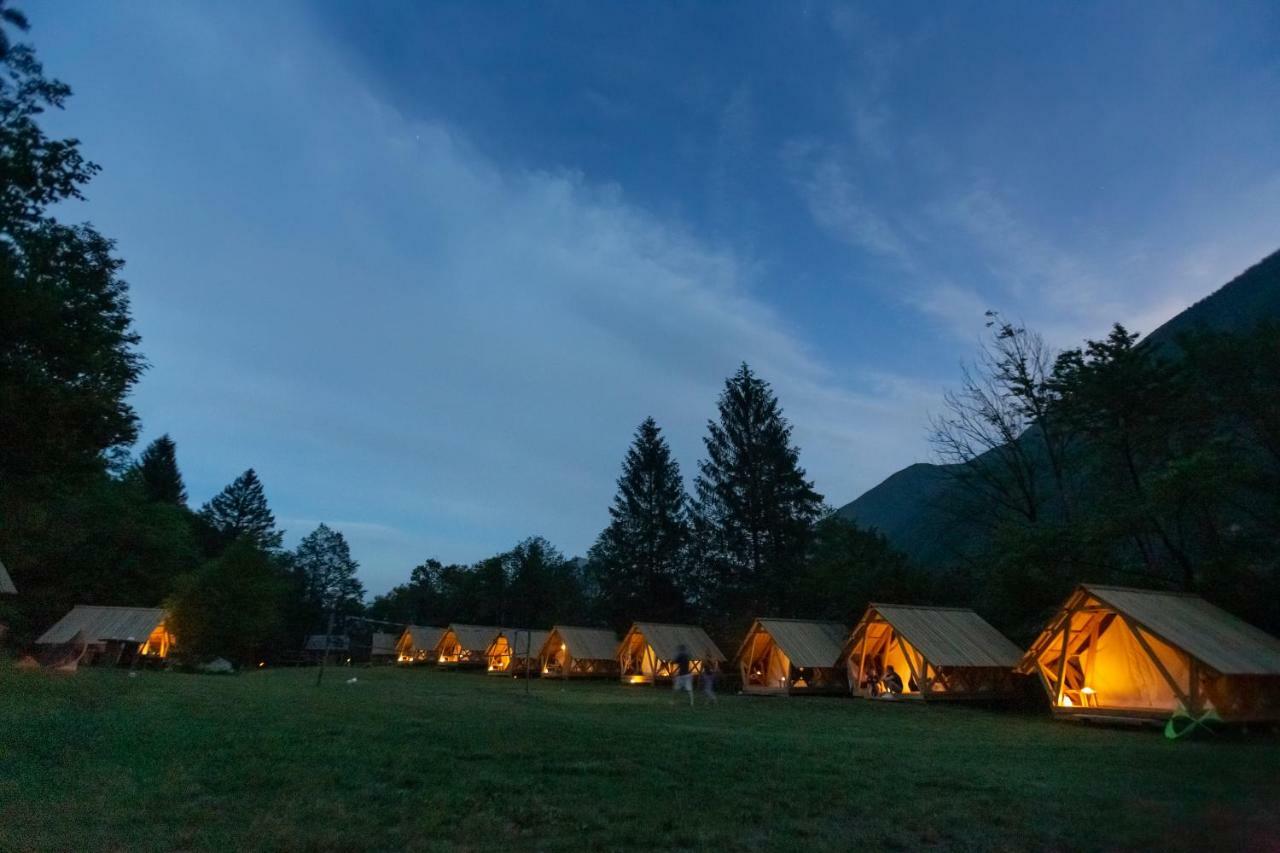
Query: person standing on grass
point(684, 675)
point(709, 681)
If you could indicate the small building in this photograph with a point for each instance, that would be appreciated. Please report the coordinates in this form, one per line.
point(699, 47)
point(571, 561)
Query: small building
point(515, 652)
point(938, 652)
point(464, 646)
point(336, 646)
point(1114, 652)
point(572, 652)
point(417, 644)
point(382, 647)
point(114, 634)
point(648, 651)
point(792, 656)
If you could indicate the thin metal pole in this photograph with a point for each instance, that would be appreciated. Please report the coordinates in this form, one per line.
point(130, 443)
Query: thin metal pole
point(325, 657)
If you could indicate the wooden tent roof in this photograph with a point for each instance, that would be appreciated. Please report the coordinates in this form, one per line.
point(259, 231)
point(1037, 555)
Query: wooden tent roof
point(423, 636)
point(101, 624)
point(948, 636)
point(474, 638)
point(807, 644)
point(515, 636)
point(6, 582)
point(666, 640)
point(383, 644)
point(587, 643)
point(1208, 633)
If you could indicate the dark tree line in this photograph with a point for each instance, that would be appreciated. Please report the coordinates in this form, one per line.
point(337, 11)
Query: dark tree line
point(80, 520)
point(754, 539)
point(1150, 464)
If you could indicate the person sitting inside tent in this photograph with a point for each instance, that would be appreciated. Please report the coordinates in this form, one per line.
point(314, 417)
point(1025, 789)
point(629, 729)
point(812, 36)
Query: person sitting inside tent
point(871, 683)
point(892, 681)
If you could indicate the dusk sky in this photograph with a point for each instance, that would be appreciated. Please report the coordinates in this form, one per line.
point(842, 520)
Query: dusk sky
point(426, 266)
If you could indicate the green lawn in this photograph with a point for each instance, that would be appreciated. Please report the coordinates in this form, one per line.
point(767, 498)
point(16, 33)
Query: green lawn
point(422, 760)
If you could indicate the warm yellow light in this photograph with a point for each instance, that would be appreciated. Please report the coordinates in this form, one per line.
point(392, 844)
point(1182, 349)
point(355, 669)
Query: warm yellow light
point(563, 646)
point(261, 664)
point(1066, 702)
point(1087, 691)
point(635, 679)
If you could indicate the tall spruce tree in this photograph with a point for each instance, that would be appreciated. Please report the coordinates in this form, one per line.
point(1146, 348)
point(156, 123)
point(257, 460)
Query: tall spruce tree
point(328, 572)
point(639, 559)
point(158, 469)
point(240, 510)
point(754, 510)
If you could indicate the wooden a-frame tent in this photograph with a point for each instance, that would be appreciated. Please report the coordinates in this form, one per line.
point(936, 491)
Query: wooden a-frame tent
point(464, 646)
point(417, 644)
point(382, 647)
point(790, 656)
point(648, 651)
point(1119, 652)
point(114, 633)
point(515, 652)
point(573, 652)
point(938, 652)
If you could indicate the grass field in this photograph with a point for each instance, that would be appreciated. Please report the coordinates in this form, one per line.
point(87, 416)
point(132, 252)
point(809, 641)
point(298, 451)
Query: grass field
point(421, 760)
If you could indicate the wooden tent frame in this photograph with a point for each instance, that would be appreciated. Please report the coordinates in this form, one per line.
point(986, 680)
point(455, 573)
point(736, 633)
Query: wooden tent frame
point(756, 648)
point(638, 661)
point(455, 656)
point(515, 661)
point(1063, 657)
point(923, 680)
point(408, 653)
point(558, 661)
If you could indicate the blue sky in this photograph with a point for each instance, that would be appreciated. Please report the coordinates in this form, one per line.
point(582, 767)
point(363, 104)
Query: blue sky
point(427, 265)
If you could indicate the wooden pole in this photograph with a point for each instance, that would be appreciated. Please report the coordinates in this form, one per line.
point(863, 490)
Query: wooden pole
point(1062, 662)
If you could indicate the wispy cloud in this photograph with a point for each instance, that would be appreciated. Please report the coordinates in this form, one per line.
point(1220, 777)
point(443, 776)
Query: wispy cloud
point(448, 354)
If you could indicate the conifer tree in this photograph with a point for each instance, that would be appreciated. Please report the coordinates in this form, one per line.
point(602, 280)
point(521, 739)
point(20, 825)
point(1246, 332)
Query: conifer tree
point(240, 510)
point(158, 469)
point(640, 557)
point(754, 510)
point(329, 583)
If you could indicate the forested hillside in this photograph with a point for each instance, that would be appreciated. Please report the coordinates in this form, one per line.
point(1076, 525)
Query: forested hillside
point(1158, 461)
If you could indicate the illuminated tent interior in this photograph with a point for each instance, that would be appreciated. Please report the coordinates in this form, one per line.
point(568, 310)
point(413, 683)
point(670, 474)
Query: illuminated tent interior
point(938, 652)
point(648, 651)
point(787, 656)
point(114, 634)
point(515, 652)
point(417, 644)
point(1120, 652)
point(466, 645)
point(571, 652)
